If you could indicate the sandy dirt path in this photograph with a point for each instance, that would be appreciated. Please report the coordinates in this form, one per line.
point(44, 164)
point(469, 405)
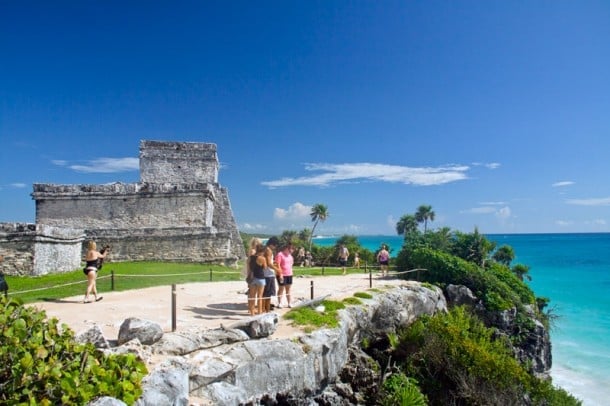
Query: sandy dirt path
point(202, 305)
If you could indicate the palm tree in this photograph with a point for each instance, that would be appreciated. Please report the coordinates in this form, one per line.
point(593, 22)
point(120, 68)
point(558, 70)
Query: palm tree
point(406, 225)
point(504, 255)
point(319, 212)
point(521, 271)
point(304, 234)
point(423, 214)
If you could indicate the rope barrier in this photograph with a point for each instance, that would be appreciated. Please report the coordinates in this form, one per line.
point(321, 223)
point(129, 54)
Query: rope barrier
point(174, 274)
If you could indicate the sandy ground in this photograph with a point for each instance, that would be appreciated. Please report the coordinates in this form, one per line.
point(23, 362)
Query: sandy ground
point(202, 305)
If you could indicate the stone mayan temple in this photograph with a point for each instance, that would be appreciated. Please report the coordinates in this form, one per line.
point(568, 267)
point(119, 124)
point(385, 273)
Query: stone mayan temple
point(177, 212)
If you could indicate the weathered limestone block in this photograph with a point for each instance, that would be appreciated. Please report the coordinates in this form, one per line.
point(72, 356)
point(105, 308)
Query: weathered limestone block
point(93, 335)
point(146, 331)
point(259, 326)
point(458, 295)
point(168, 384)
point(187, 342)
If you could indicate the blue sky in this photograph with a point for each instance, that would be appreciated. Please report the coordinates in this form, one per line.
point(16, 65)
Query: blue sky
point(495, 113)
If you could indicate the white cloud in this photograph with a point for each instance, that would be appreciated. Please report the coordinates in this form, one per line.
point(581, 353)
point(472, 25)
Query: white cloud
point(492, 203)
point(503, 213)
point(358, 172)
point(491, 165)
point(295, 211)
point(563, 183)
point(563, 223)
point(391, 221)
point(18, 185)
point(480, 210)
point(104, 165)
point(597, 222)
point(603, 201)
point(253, 227)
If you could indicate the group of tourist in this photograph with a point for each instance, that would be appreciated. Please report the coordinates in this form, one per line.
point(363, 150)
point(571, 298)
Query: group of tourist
point(304, 258)
point(266, 264)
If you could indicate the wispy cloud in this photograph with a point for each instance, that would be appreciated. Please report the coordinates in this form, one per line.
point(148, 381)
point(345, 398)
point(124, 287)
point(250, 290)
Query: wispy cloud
point(480, 210)
point(501, 213)
point(504, 213)
point(253, 227)
point(602, 201)
point(296, 211)
point(103, 165)
point(359, 172)
point(490, 165)
point(563, 183)
point(563, 223)
point(18, 185)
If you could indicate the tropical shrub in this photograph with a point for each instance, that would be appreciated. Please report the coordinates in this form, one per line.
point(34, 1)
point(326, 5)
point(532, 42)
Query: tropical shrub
point(457, 360)
point(497, 286)
point(40, 363)
point(398, 389)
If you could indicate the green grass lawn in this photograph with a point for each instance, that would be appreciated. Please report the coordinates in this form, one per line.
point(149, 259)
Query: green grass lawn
point(133, 275)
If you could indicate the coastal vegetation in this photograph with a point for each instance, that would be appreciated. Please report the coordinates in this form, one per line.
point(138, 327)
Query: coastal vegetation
point(462, 357)
point(41, 364)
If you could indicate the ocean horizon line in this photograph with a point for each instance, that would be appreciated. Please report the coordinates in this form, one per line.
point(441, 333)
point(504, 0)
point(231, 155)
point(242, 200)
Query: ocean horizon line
point(532, 233)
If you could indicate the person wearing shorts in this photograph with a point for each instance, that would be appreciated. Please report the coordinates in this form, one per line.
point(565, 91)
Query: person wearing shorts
point(285, 261)
point(270, 273)
point(256, 285)
point(343, 256)
point(383, 257)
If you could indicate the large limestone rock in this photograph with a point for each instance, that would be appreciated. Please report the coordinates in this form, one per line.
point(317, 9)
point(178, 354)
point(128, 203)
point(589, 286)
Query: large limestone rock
point(225, 367)
point(146, 331)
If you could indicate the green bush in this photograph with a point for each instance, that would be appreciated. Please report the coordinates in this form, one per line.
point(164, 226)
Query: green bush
point(456, 360)
point(497, 286)
point(398, 389)
point(41, 364)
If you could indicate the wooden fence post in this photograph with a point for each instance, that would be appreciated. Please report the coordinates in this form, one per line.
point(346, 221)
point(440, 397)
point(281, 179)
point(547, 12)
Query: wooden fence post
point(173, 307)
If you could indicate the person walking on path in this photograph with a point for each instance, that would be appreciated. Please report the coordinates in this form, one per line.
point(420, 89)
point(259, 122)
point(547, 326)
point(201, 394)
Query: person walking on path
point(285, 261)
point(92, 260)
point(343, 256)
point(383, 257)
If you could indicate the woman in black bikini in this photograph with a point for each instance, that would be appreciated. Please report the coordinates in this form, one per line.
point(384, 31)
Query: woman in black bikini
point(91, 270)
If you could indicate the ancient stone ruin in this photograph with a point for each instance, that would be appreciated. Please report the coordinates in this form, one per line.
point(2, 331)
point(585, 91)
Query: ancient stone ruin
point(177, 212)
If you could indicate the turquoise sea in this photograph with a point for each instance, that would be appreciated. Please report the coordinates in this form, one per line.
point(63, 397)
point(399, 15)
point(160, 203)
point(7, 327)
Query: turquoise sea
point(573, 270)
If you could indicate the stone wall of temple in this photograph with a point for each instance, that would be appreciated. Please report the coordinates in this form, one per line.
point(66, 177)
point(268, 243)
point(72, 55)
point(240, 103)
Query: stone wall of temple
point(38, 249)
point(177, 212)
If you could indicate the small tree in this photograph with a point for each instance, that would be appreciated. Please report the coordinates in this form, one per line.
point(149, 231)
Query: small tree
point(319, 212)
point(406, 225)
point(423, 214)
point(504, 255)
